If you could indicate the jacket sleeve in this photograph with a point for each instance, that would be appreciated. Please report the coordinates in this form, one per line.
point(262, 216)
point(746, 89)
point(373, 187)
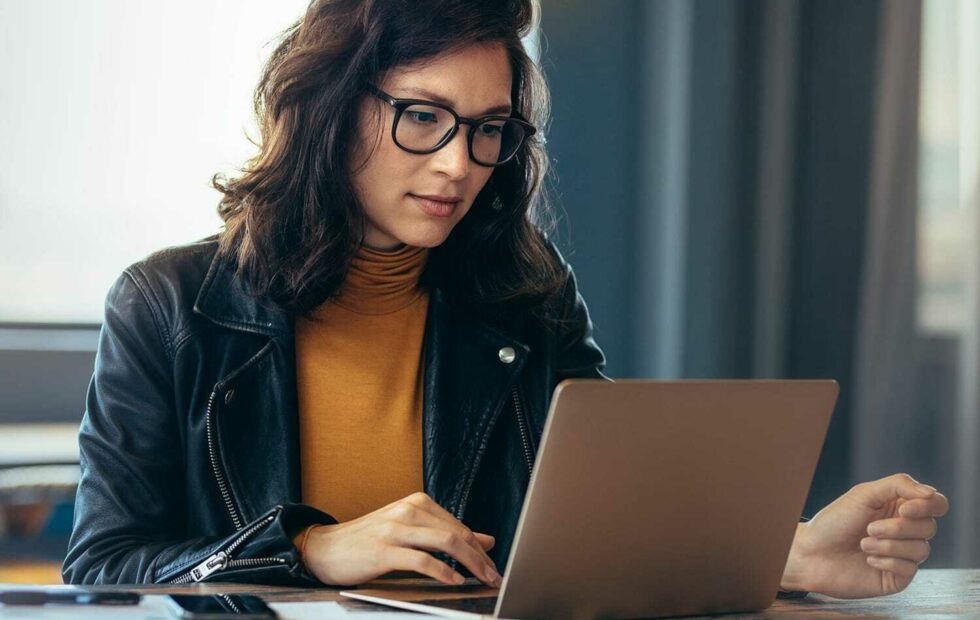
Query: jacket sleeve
point(129, 523)
point(578, 355)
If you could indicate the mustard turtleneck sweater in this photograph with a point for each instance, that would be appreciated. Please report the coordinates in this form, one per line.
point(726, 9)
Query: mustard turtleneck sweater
point(359, 375)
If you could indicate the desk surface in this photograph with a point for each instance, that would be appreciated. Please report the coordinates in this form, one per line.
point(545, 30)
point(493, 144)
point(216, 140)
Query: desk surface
point(935, 593)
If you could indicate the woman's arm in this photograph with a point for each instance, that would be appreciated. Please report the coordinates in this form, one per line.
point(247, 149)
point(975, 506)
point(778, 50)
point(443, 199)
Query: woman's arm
point(130, 517)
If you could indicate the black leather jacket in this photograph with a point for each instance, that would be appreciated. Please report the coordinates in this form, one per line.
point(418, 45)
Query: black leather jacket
point(189, 447)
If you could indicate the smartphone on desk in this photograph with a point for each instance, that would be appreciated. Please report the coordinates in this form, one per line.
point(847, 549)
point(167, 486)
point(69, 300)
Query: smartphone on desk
point(219, 607)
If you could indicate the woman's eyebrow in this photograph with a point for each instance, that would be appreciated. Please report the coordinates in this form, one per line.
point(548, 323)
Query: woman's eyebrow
point(503, 108)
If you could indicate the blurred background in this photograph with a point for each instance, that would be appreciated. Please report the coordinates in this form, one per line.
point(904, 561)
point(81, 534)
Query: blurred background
point(747, 188)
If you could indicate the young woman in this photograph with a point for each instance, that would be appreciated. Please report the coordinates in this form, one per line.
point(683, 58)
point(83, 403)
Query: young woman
point(355, 373)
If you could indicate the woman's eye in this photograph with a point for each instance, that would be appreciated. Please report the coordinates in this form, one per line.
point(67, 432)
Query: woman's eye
point(491, 130)
point(422, 117)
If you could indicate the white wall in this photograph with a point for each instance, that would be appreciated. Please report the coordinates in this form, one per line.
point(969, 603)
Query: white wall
point(114, 114)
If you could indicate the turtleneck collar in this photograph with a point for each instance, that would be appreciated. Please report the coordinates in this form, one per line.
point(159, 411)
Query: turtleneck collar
point(380, 282)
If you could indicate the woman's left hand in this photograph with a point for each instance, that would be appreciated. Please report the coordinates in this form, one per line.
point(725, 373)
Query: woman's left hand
point(868, 542)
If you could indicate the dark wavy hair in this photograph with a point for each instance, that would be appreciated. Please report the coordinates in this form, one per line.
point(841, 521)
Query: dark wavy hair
point(292, 220)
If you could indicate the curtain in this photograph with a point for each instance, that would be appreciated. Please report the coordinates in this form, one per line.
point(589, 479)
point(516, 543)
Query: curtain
point(887, 347)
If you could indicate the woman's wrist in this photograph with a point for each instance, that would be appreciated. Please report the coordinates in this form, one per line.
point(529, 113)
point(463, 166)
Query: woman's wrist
point(794, 574)
point(302, 539)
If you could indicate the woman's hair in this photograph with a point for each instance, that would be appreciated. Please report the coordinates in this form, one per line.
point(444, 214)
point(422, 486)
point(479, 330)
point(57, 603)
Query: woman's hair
point(292, 220)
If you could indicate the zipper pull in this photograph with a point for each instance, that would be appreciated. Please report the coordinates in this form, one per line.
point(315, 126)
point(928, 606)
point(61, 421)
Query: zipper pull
point(213, 564)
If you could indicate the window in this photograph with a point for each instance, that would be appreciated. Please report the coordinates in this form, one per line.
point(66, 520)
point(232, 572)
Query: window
point(113, 116)
point(945, 224)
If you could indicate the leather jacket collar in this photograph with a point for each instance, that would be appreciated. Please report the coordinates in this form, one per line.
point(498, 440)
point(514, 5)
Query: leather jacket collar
point(224, 301)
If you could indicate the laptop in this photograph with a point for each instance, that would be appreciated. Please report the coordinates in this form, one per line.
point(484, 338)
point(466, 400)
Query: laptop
point(654, 498)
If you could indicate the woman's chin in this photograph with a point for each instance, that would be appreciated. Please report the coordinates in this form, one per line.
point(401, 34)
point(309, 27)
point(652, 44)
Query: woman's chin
point(426, 237)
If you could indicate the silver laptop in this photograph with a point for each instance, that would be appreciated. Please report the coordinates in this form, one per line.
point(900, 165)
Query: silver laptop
point(654, 498)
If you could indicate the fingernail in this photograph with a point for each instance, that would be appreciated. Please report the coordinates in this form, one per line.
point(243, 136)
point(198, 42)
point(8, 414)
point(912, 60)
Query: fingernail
point(458, 579)
point(875, 530)
point(927, 487)
point(492, 576)
point(872, 560)
point(868, 544)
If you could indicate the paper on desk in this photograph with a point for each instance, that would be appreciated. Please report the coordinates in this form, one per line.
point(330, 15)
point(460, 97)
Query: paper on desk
point(150, 608)
point(331, 610)
point(153, 607)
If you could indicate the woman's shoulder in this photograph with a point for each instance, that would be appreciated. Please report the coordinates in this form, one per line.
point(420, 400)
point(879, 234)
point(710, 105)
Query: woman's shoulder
point(180, 269)
point(161, 289)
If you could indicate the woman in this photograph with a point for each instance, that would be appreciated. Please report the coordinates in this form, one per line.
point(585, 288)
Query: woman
point(356, 371)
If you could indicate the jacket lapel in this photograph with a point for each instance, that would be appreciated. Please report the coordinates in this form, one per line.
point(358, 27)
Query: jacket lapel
point(255, 405)
point(224, 300)
point(466, 386)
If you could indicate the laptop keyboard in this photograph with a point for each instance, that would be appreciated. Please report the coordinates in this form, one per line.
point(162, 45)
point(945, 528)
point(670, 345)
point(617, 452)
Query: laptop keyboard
point(478, 605)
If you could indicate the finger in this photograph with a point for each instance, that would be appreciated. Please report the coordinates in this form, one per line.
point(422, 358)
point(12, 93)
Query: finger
point(433, 539)
point(877, 493)
point(486, 540)
point(431, 506)
point(420, 509)
point(400, 558)
point(902, 568)
point(419, 517)
point(900, 527)
point(935, 506)
point(913, 550)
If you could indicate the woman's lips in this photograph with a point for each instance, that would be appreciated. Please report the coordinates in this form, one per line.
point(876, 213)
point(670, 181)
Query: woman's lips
point(436, 208)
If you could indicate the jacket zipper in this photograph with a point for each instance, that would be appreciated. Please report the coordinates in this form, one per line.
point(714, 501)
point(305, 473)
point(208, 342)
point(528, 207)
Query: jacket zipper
point(219, 476)
point(525, 435)
point(230, 603)
point(216, 464)
point(525, 441)
point(222, 559)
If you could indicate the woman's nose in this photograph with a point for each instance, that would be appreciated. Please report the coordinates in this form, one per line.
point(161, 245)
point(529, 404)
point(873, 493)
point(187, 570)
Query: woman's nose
point(453, 159)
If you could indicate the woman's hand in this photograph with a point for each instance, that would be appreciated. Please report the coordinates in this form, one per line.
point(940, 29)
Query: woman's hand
point(868, 542)
point(398, 537)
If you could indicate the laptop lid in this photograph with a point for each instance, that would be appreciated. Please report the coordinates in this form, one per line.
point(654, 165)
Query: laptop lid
point(656, 498)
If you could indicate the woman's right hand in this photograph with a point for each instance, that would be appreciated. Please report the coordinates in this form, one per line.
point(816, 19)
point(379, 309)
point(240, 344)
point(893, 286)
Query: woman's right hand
point(398, 537)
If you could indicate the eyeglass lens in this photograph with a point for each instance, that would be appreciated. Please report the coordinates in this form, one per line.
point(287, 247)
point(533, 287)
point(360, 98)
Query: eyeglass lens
point(422, 128)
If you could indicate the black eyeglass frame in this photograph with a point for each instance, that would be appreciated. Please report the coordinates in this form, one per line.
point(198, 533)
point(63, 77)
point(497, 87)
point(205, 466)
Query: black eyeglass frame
point(400, 105)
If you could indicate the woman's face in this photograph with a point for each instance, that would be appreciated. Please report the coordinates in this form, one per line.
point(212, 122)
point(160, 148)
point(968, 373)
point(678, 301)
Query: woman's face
point(389, 184)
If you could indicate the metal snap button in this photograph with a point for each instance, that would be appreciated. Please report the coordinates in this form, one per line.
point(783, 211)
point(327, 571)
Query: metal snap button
point(506, 355)
point(229, 396)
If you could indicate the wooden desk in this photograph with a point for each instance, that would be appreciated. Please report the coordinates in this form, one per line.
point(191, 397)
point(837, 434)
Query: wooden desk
point(935, 593)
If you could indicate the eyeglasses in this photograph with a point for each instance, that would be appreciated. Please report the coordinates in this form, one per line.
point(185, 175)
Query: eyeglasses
point(423, 127)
